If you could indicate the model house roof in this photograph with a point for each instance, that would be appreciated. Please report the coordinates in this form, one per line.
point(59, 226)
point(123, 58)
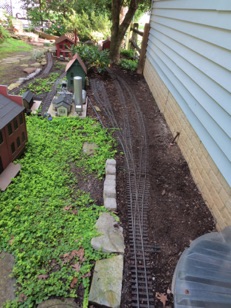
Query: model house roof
point(65, 98)
point(28, 95)
point(8, 110)
point(68, 36)
point(76, 57)
point(64, 104)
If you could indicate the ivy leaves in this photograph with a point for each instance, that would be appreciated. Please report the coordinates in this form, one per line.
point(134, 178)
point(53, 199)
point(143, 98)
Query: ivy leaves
point(46, 222)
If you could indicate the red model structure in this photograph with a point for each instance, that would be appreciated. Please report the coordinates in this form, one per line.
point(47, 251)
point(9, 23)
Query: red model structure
point(63, 44)
point(13, 133)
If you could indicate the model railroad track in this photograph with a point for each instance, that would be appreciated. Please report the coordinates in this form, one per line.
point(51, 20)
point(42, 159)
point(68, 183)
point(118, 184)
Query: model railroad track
point(42, 74)
point(47, 100)
point(137, 183)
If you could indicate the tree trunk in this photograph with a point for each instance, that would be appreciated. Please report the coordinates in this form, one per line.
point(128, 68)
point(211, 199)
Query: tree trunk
point(118, 30)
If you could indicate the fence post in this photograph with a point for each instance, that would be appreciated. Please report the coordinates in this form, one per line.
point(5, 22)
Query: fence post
point(143, 49)
point(134, 34)
point(128, 36)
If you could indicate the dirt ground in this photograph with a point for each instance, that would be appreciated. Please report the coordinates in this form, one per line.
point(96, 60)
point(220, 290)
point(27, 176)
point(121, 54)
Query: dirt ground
point(11, 72)
point(177, 212)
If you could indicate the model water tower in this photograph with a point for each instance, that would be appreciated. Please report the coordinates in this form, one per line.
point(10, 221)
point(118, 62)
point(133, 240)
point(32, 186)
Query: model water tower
point(78, 94)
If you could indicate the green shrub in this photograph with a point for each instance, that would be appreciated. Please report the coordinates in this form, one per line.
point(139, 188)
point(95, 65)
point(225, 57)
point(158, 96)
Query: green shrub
point(128, 53)
point(4, 34)
point(128, 64)
point(93, 57)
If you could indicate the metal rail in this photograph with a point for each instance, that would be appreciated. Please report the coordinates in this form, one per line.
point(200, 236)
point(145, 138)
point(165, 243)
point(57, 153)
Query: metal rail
point(137, 182)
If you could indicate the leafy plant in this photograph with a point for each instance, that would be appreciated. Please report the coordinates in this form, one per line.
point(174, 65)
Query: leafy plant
point(128, 53)
point(41, 85)
point(128, 64)
point(46, 223)
point(93, 57)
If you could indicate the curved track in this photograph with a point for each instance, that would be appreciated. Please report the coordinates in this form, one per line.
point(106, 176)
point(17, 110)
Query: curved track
point(137, 182)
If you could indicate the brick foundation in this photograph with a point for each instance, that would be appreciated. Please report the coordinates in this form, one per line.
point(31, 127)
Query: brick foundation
point(212, 185)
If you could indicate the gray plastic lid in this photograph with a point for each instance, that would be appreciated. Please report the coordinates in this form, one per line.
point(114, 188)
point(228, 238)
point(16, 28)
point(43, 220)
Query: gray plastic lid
point(202, 277)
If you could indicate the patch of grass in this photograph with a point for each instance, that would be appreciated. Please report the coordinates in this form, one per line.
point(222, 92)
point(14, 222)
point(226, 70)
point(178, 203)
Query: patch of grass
point(11, 46)
point(46, 223)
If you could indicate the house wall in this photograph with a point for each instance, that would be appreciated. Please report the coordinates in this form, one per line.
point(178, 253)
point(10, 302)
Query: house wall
point(13, 144)
point(75, 70)
point(188, 69)
point(15, 98)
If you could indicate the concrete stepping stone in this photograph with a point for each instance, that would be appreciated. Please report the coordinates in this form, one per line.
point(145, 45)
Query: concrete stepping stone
point(7, 291)
point(89, 148)
point(58, 303)
point(107, 282)
point(29, 70)
point(111, 238)
point(36, 64)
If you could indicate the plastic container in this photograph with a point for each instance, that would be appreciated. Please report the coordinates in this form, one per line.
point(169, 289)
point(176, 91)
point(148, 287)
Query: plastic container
point(202, 277)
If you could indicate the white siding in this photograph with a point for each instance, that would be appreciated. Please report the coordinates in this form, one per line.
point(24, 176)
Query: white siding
point(190, 48)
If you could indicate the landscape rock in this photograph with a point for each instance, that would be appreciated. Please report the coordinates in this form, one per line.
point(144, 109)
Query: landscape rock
point(89, 148)
point(110, 204)
point(112, 239)
point(7, 291)
point(111, 161)
point(29, 70)
point(36, 64)
point(13, 86)
point(110, 169)
point(109, 190)
point(107, 282)
point(58, 303)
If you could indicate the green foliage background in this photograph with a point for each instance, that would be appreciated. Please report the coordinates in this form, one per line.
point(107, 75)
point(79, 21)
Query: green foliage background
point(44, 215)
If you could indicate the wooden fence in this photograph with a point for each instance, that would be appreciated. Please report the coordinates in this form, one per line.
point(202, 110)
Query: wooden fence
point(132, 42)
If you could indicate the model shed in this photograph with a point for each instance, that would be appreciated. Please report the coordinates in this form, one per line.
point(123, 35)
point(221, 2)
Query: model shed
point(13, 134)
point(63, 45)
point(75, 67)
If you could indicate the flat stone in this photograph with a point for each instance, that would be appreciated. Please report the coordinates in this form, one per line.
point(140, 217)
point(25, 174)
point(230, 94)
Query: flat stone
point(43, 63)
point(110, 177)
point(109, 191)
point(24, 65)
point(89, 148)
point(112, 239)
point(111, 161)
point(36, 64)
point(110, 204)
point(29, 70)
point(11, 60)
point(110, 169)
point(97, 108)
point(13, 86)
point(7, 291)
point(107, 282)
point(58, 303)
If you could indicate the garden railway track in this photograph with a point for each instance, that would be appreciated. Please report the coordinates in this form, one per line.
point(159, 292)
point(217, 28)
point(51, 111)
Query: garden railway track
point(137, 184)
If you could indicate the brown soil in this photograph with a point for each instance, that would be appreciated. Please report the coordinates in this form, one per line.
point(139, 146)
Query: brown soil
point(177, 212)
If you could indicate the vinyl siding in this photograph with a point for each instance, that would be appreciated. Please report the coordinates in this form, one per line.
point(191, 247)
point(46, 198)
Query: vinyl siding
point(190, 48)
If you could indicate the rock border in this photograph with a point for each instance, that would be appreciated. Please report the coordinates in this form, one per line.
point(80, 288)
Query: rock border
point(106, 288)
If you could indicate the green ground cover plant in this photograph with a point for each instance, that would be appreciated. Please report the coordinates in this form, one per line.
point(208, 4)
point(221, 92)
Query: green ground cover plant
point(41, 85)
point(46, 222)
point(11, 46)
